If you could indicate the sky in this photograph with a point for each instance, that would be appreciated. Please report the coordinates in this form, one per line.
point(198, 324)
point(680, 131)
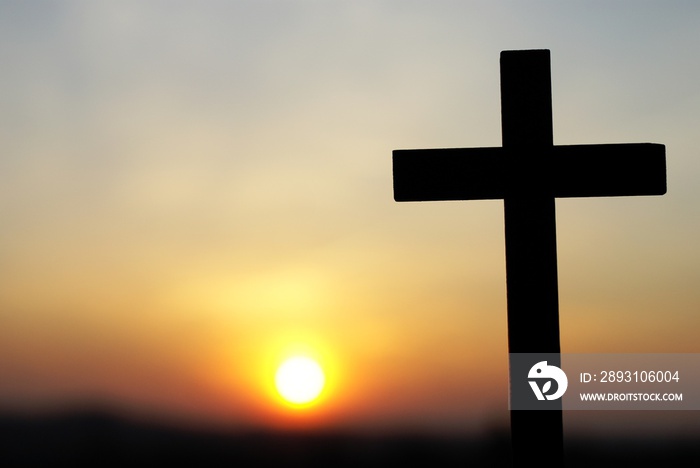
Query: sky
point(191, 191)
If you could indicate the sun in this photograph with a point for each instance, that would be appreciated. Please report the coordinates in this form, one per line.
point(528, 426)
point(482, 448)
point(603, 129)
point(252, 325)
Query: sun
point(300, 380)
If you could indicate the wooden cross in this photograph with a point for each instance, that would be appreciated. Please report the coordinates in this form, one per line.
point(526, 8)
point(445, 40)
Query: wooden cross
point(528, 173)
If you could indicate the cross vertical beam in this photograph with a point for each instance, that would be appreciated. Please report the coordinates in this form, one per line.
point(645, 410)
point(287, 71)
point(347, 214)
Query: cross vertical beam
point(530, 234)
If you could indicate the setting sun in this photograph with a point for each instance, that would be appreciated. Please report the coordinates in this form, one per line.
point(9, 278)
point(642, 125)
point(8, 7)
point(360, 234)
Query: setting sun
point(299, 380)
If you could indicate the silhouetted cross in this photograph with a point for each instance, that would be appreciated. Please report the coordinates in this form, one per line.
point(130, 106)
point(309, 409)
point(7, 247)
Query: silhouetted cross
point(528, 173)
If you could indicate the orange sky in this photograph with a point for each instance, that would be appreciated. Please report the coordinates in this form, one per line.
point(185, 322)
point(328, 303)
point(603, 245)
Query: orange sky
point(187, 193)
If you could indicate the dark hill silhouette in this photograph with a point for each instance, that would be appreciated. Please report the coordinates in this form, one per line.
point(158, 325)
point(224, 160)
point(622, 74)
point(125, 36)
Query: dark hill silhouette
point(102, 439)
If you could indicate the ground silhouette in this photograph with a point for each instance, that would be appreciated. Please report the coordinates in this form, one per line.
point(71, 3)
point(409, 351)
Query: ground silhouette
point(101, 439)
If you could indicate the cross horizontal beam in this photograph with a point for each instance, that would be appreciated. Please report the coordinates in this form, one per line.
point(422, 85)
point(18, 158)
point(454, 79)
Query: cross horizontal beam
point(562, 171)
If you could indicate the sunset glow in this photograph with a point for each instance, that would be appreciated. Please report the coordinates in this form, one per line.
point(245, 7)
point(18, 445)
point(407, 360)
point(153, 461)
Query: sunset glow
point(194, 194)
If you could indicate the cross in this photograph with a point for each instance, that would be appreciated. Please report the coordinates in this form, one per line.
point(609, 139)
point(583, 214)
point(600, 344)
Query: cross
point(528, 172)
